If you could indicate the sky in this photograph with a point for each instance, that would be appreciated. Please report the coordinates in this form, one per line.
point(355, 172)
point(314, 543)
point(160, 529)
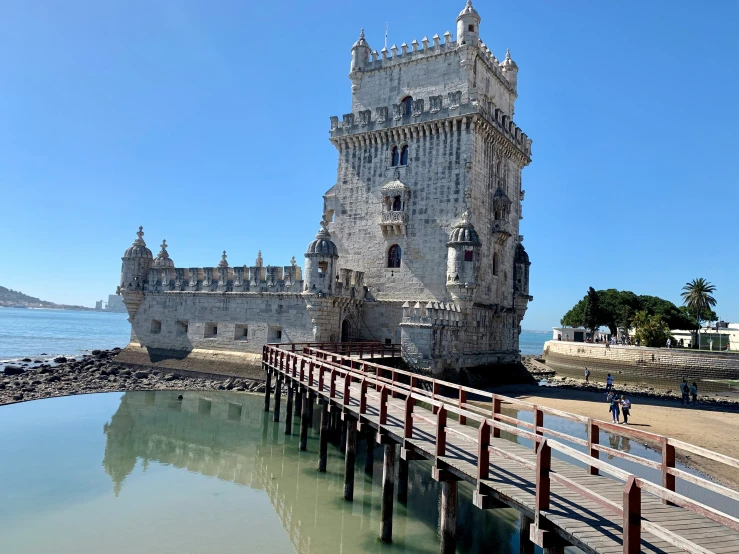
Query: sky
point(207, 123)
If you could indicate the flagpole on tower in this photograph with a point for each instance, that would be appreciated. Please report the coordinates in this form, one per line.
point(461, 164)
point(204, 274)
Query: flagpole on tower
point(385, 35)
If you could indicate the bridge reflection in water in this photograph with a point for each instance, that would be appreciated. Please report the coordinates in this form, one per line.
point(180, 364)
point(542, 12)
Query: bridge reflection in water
point(228, 436)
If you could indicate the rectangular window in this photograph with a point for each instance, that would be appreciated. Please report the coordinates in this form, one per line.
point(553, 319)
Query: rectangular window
point(322, 268)
point(274, 333)
point(182, 327)
point(241, 332)
point(210, 331)
point(156, 326)
point(468, 255)
point(388, 342)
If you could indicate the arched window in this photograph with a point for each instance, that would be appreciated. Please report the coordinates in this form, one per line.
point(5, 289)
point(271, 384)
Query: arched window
point(404, 155)
point(393, 256)
point(495, 264)
point(397, 204)
point(407, 104)
point(394, 156)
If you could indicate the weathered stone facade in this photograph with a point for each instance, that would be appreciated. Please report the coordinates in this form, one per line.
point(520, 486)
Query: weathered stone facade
point(419, 241)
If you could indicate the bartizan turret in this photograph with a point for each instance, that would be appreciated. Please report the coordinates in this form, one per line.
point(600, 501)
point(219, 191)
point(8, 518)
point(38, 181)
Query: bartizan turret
point(510, 70)
point(320, 263)
point(463, 260)
point(137, 260)
point(468, 26)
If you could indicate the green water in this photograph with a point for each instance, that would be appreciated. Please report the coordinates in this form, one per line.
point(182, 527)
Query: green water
point(146, 472)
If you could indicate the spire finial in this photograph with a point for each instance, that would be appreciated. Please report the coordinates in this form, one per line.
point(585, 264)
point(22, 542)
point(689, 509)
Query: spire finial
point(361, 34)
point(259, 262)
point(223, 262)
point(507, 53)
point(293, 262)
point(469, 3)
point(140, 234)
point(164, 244)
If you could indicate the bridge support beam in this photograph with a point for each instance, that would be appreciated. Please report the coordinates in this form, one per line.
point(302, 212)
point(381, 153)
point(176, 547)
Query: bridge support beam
point(267, 386)
point(278, 396)
point(388, 492)
point(448, 517)
point(350, 457)
point(526, 545)
point(369, 456)
point(323, 439)
point(289, 410)
point(304, 421)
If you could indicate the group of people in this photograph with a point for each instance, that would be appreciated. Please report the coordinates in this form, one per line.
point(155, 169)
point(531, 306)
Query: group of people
point(688, 393)
point(617, 403)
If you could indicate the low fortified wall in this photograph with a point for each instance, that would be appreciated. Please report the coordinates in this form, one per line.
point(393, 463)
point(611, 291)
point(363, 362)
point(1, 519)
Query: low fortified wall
point(663, 367)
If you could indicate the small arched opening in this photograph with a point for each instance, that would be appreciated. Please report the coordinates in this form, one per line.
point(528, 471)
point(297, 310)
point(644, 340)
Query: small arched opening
point(346, 330)
point(393, 256)
point(394, 156)
point(404, 155)
point(495, 264)
point(397, 204)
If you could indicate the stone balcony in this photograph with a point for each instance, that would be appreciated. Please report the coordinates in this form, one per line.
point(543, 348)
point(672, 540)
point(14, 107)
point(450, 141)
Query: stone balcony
point(393, 223)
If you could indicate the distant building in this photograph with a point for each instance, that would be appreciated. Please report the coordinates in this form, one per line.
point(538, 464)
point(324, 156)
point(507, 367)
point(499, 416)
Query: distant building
point(115, 304)
point(98, 305)
point(577, 334)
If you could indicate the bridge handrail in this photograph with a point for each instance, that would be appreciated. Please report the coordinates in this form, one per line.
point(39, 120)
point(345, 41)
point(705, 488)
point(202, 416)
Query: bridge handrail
point(542, 445)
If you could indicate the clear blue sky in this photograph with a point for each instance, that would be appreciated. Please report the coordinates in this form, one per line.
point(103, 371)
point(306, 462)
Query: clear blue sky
point(207, 123)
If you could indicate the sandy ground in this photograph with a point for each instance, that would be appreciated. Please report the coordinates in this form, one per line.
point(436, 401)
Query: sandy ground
point(716, 429)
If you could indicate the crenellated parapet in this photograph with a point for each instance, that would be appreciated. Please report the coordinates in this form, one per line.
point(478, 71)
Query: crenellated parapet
point(226, 279)
point(444, 314)
point(441, 114)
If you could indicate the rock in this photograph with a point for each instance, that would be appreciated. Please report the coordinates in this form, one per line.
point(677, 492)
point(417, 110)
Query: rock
point(38, 361)
point(18, 396)
point(13, 370)
point(260, 388)
point(60, 360)
point(26, 360)
point(116, 349)
point(141, 374)
point(169, 377)
point(97, 352)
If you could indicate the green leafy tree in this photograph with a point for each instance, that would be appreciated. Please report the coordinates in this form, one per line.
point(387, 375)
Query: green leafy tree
point(592, 316)
point(650, 330)
point(575, 317)
point(698, 297)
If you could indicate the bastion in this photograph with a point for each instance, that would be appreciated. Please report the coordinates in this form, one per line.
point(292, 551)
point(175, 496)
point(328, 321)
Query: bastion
point(418, 243)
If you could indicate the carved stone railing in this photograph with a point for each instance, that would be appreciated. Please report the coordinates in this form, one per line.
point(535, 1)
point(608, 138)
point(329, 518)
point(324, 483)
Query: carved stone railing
point(394, 223)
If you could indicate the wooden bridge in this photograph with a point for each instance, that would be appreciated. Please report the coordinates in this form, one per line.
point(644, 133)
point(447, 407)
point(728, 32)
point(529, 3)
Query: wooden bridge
point(596, 506)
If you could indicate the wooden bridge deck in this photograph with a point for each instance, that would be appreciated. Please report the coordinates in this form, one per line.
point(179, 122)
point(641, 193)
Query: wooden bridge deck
point(581, 509)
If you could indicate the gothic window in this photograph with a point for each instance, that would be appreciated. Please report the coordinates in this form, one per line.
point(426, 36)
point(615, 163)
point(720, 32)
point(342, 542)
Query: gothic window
point(495, 264)
point(394, 156)
point(393, 256)
point(404, 155)
point(468, 255)
point(397, 204)
point(407, 105)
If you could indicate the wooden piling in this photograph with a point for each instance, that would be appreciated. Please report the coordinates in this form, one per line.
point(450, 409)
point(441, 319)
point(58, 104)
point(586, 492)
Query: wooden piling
point(448, 517)
point(304, 421)
point(323, 439)
point(350, 457)
point(298, 402)
point(289, 410)
point(388, 490)
point(267, 386)
point(526, 545)
point(402, 480)
point(342, 437)
point(369, 457)
point(278, 396)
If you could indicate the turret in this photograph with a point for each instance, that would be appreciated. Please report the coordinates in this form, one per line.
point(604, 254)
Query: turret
point(163, 261)
point(320, 263)
point(468, 25)
point(360, 54)
point(510, 70)
point(463, 260)
point(137, 261)
point(521, 265)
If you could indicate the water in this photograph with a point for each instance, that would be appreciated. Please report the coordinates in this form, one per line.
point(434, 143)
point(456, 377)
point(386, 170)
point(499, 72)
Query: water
point(30, 333)
point(144, 472)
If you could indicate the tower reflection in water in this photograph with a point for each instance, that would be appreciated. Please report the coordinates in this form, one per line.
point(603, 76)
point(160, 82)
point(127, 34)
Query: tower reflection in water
point(228, 436)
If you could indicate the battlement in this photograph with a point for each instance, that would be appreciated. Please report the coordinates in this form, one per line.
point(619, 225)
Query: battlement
point(429, 111)
point(432, 313)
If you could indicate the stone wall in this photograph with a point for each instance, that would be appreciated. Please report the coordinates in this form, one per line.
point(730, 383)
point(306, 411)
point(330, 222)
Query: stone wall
point(641, 365)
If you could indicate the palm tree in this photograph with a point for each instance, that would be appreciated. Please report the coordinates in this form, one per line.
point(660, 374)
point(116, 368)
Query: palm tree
point(697, 297)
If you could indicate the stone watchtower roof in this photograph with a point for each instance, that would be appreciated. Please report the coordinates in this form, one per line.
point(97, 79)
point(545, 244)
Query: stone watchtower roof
point(138, 249)
point(163, 260)
point(323, 245)
point(464, 233)
point(521, 256)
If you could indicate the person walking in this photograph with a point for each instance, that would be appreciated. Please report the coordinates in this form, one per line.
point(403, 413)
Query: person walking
point(625, 408)
point(685, 393)
point(613, 408)
point(669, 343)
point(587, 375)
point(609, 382)
point(694, 393)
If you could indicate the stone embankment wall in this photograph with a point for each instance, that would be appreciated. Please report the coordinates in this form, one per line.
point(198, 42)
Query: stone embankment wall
point(640, 365)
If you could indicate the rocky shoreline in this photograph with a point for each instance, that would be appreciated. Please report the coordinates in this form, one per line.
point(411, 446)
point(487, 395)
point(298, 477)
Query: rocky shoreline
point(99, 372)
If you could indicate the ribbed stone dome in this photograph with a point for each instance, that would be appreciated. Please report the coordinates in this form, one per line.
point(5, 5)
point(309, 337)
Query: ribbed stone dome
point(323, 245)
point(521, 256)
point(464, 233)
point(163, 261)
point(468, 10)
point(138, 249)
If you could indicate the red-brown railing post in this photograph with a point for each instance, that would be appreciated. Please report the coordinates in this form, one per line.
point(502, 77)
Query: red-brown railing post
point(408, 423)
point(538, 422)
point(311, 367)
point(320, 377)
point(593, 441)
point(434, 392)
point(332, 388)
point(462, 400)
point(363, 397)
point(414, 382)
point(543, 485)
point(632, 517)
point(378, 374)
point(392, 382)
point(483, 451)
point(668, 461)
point(293, 347)
point(440, 446)
point(347, 384)
point(496, 411)
point(383, 405)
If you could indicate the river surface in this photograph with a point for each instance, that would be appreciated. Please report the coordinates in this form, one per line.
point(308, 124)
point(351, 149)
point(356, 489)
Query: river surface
point(49, 333)
point(146, 472)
